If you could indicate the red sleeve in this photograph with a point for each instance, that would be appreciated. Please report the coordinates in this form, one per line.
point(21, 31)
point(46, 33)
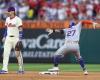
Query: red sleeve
point(87, 22)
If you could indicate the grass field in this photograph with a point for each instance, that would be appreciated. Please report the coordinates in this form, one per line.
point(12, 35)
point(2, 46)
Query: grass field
point(63, 67)
point(67, 72)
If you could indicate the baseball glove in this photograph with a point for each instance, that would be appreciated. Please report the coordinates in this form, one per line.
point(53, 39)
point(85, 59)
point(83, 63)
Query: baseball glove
point(19, 46)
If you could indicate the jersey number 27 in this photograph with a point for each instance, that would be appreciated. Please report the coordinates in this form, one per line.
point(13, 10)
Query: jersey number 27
point(71, 33)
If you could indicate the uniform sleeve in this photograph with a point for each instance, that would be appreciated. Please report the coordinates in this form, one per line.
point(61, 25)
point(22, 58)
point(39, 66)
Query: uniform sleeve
point(79, 24)
point(19, 22)
point(87, 22)
point(5, 29)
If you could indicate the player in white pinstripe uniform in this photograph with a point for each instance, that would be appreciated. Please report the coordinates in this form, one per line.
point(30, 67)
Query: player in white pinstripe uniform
point(72, 36)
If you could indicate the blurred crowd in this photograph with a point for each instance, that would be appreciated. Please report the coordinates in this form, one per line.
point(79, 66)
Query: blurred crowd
point(52, 9)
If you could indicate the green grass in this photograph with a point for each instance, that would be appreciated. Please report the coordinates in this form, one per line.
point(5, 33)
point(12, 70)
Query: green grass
point(63, 67)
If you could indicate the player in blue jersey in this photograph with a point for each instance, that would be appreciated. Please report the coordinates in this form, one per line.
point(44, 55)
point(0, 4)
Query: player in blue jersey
point(72, 36)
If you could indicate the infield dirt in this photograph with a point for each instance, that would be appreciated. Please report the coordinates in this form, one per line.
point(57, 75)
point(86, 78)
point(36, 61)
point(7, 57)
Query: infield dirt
point(61, 76)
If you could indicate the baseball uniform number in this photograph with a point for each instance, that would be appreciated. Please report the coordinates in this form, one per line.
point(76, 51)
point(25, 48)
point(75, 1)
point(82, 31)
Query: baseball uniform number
point(71, 33)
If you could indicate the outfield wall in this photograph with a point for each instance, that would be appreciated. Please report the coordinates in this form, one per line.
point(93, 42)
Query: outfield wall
point(39, 48)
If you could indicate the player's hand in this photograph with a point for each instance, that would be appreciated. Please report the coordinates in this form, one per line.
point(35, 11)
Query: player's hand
point(94, 25)
point(50, 31)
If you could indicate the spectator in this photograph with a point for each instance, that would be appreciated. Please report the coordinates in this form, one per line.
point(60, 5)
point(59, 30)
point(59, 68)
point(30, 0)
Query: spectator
point(61, 12)
point(30, 14)
point(2, 6)
point(54, 9)
point(41, 14)
point(89, 9)
point(22, 10)
point(51, 12)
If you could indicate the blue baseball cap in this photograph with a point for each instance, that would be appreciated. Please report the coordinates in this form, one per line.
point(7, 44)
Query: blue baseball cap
point(11, 9)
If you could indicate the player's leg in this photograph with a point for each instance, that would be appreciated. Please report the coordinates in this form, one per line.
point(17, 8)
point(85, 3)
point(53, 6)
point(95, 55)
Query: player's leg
point(74, 47)
point(19, 56)
point(57, 56)
point(7, 50)
point(56, 60)
point(20, 61)
point(81, 62)
point(79, 58)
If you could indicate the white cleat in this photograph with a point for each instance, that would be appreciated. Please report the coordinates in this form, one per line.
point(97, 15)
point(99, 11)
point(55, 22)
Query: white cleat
point(3, 72)
point(54, 69)
point(85, 72)
point(49, 73)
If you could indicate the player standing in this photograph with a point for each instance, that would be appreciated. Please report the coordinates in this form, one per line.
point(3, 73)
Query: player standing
point(12, 39)
point(72, 36)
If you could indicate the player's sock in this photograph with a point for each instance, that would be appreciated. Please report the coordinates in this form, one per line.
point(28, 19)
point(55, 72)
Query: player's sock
point(82, 64)
point(20, 62)
point(56, 60)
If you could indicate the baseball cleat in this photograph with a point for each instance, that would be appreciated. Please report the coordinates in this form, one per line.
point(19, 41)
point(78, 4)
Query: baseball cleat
point(20, 72)
point(85, 72)
point(49, 73)
point(54, 69)
point(3, 72)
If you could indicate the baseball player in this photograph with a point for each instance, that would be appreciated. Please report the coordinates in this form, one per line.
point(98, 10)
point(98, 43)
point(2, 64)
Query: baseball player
point(12, 39)
point(72, 35)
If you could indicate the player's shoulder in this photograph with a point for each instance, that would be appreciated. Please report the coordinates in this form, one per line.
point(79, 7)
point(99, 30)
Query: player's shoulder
point(18, 18)
point(7, 18)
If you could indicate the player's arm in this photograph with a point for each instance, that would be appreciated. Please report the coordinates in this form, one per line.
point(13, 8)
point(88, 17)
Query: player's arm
point(20, 27)
point(19, 45)
point(5, 31)
point(95, 25)
point(50, 31)
point(60, 31)
point(20, 32)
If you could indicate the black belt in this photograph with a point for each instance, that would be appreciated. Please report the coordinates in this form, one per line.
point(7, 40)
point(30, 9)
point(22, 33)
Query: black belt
point(11, 36)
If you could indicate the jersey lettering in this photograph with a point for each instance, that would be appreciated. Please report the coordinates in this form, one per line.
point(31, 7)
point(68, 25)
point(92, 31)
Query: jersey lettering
point(71, 33)
point(10, 25)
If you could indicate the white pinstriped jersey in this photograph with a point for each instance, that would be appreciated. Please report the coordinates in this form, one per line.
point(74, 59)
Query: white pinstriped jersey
point(13, 26)
point(73, 33)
